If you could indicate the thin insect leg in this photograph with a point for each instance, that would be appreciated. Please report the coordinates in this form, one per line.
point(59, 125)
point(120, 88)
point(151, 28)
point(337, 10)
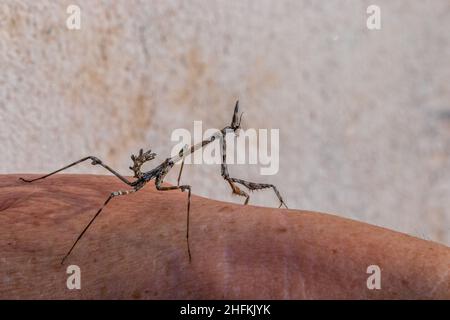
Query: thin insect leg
point(179, 174)
point(258, 186)
point(95, 161)
point(250, 185)
point(158, 185)
point(112, 195)
point(236, 190)
point(181, 153)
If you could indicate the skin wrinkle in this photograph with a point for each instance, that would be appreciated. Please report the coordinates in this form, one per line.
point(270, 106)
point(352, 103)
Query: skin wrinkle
point(18, 200)
point(445, 278)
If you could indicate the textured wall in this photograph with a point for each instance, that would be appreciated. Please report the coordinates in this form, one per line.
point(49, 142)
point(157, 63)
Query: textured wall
point(364, 116)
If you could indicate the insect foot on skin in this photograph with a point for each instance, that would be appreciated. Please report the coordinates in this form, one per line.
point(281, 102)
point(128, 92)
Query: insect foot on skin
point(159, 173)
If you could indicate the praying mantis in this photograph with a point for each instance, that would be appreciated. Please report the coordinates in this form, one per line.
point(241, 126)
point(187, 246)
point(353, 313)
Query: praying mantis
point(160, 172)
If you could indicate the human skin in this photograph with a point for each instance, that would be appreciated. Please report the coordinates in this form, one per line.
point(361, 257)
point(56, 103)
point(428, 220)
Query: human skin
point(136, 249)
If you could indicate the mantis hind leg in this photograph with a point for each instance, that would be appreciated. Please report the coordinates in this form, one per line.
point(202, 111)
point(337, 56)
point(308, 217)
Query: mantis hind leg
point(112, 195)
point(95, 161)
point(158, 184)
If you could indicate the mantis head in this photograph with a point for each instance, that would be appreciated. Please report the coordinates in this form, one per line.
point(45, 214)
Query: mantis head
point(236, 121)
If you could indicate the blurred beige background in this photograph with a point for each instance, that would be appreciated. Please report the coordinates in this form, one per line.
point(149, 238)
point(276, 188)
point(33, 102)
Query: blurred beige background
point(364, 116)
